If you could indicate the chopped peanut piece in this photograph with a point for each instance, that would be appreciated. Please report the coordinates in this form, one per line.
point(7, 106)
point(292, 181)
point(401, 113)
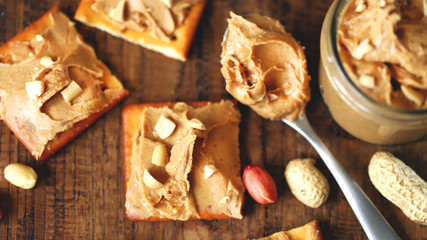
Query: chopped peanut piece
point(160, 155)
point(209, 170)
point(363, 48)
point(367, 81)
point(34, 89)
point(272, 96)
point(196, 123)
point(164, 127)
point(46, 61)
point(168, 3)
point(71, 92)
point(117, 12)
point(150, 181)
point(39, 38)
point(413, 95)
point(360, 6)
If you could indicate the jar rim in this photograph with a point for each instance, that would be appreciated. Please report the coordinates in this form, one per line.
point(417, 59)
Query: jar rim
point(339, 9)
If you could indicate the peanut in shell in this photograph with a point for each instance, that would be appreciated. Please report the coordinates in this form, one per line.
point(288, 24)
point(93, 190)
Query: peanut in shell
point(306, 182)
point(400, 185)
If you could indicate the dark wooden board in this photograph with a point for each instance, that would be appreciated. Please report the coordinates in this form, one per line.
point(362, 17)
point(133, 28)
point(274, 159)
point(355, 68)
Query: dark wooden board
point(80, 192)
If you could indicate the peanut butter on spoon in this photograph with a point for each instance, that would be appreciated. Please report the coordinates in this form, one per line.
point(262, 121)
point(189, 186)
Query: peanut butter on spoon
point(265, 67)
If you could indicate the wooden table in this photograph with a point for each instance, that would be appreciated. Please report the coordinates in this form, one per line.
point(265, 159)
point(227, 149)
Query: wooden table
point(80, 192)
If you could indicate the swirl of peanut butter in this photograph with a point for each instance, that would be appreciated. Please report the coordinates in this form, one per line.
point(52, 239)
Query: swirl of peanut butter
point(161, 17)
point(265, 67)
point(383, 47)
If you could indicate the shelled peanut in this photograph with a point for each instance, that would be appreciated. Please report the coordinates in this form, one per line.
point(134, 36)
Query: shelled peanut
point(399, 184)
point(306, 182)
point(20, 175)
point(260, 184)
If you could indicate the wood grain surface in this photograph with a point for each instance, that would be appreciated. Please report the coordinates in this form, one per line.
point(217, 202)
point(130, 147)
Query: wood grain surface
point(80, 191)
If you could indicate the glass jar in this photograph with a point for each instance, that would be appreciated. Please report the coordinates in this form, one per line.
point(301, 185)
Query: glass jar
point(355, 111)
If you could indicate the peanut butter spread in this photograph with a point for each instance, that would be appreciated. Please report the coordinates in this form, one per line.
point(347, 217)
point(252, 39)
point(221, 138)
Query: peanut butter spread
point(265, 67)
point(161, 17)
point(383, 47)
point(185, 189)
point(54, 59)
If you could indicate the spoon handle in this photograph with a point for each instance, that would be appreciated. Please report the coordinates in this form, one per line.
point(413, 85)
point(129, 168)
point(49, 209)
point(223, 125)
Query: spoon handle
point(373, 223)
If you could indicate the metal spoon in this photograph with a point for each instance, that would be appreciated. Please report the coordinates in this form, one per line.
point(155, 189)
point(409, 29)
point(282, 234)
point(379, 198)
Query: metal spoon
point(373, 223)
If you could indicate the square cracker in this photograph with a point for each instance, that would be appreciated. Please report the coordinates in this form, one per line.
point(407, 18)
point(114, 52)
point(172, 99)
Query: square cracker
point(309, 231)
point(177, 48)
point(62, 138)
point(131, 119)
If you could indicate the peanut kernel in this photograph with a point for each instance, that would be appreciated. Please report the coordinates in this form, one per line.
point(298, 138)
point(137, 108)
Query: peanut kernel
point(164, 127)
point(117, 12)
point(71, 92)
point(209, 170)
point(20, 175)
point(34, 89)
point(150, 181)
point(360, 6)
point(196, 123)
point(413, 95)
point(362, 49)
point(160, 155)
point(168, 3)
point(46, 61)
point(367, 81)
point(39, 38)
point(272, 97)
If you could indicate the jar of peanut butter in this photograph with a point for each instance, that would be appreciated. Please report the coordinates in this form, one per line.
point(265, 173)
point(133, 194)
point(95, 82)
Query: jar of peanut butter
point(373, 68)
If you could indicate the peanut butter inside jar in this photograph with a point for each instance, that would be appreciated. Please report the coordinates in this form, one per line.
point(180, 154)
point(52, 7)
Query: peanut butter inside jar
point(373, 70)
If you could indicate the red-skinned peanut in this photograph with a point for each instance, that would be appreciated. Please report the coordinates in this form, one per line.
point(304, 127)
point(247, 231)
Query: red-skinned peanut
point(259, 184)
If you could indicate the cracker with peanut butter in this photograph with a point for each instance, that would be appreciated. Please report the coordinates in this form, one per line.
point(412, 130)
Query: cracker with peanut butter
point(309, 231)
point(52, 85)
point(182, 161)
point(164, 26)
